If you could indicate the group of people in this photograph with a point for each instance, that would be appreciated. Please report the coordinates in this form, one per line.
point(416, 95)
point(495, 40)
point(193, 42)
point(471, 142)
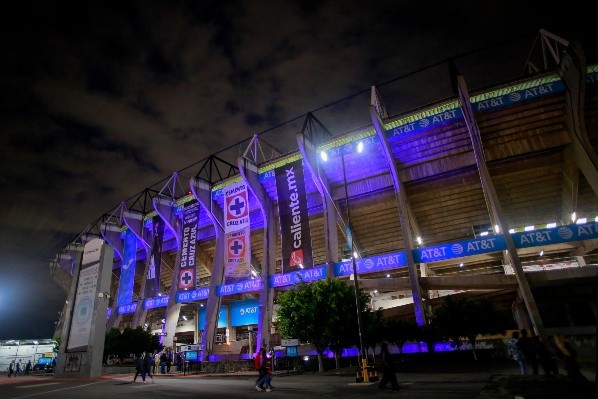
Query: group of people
point(14, 368)
point(144, 364)
point(533, 352)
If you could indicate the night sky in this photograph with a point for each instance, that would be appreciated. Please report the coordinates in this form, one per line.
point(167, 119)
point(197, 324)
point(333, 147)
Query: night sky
point(99, 100)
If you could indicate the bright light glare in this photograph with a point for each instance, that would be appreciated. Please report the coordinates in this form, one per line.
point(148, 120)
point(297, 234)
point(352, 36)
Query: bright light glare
point(360, 147)
point(582, 220)
point(550, 225)
point(324, 156)
point(529, 228)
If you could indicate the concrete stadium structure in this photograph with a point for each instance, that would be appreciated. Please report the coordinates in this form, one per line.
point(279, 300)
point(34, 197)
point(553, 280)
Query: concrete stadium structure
point(490, 192)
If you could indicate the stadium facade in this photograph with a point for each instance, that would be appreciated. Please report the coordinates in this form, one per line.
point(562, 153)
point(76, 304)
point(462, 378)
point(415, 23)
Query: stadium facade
point(489, 192)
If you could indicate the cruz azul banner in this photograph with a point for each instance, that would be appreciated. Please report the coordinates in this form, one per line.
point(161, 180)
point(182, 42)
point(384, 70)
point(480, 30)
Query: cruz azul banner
point(237, 257)
point(127, 269)
point(188, 242)
point(152, 283)
point(294, 221)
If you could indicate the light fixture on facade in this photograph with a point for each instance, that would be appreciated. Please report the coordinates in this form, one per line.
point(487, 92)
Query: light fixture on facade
point(360, 147)
point(529, 228)
point(581, 220)
point(418, 239)
point(574, 216)
point(388, 276)
point(511, 231)
point(355, 255)
point(461, 264)
point(184, 317)
point(484, 233)
point(324, 156)
point(542, 253)
point(550, 225)
point(496, 228)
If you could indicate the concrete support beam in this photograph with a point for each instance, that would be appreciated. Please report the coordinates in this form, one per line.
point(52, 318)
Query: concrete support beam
point(165, 208)
point(134, 221)
point(202, 191)
point(404, 215)
point(495, 206)
point(308, 151)
point(249, 172)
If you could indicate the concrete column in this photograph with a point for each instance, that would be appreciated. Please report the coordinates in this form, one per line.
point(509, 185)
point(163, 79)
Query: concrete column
point(134, 221)
point(165, 208)
point(573, 71)
point(202, 190)
point(496, 208)
point(249, 172)
point(308, 151)
point(111, 233)
point(404, 216)
point(82, 340)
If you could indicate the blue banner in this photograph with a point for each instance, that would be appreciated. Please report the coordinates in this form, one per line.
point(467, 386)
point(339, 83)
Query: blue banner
point(240, 287)
point(195, 295)
point(459, 249)
point(281, 280)
point(244, 313)
point(191, 356)
point(556, 235)
point(126, 309)
point(222, 315)
point(157, 302)
point(127, 269)
point(370, 264)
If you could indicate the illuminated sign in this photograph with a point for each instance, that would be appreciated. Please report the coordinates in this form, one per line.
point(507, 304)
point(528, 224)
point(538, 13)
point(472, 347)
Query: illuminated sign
point(244, 313)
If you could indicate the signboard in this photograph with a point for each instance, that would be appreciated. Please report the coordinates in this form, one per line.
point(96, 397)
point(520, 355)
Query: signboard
point(244, 313)
point(191, 356)
point(292, 351)
point(289, 342)
point(222, 316)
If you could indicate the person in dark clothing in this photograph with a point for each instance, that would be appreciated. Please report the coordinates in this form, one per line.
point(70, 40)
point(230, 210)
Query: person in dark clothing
point(28, 367)
point(388, 370)
point(11, 369)
point(260, 363)
point(148, 364)
point(569, 357)
point(546, 357)
point(163, 360)
point(526, 346)
point(168, 362)
point(140, 367)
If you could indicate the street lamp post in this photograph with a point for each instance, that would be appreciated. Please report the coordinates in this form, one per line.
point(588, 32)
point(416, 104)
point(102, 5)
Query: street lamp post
point(354, 266)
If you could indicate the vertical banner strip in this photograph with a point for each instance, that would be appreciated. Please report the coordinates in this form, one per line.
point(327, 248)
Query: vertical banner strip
point(187, 269)
point(294, 218)
point(237, 255)
point(127, 269)
point(152, 285)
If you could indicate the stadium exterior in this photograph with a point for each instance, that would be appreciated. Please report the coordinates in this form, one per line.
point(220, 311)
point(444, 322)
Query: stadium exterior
point(490, 192)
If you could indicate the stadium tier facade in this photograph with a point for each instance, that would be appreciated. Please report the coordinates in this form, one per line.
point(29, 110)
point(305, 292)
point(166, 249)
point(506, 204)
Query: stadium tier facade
point(491, 192)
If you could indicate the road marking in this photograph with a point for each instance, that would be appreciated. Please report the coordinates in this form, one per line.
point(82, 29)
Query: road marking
point(55, 390)
point(37, 385)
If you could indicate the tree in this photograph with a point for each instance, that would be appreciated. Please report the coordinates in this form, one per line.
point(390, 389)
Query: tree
point(467, 318)
point(322, 313)
point(123, 343)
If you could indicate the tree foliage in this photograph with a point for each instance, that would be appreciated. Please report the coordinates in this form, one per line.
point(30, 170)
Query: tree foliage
point(123, 343)
point(466, 318)
point(323, 313)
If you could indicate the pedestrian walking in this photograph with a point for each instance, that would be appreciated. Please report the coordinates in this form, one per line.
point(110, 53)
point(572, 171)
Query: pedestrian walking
point(148, 364)
point(526, 346)
point(515, 353)
point(18, 372)
point(388, 370)
point(260, 366)
point(140, 368)
point(11, 369)
point(28, 367)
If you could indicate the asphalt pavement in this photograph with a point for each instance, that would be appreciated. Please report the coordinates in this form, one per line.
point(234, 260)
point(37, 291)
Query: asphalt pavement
point(483, 380)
